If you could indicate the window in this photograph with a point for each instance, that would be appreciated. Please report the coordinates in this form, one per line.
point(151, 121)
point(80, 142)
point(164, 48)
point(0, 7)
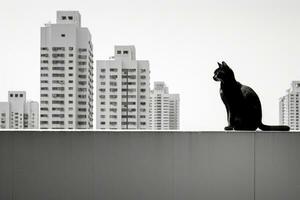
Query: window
point(81, 123)
point(58, 88)
point(82, 69)
point(58, 68)
point(58, 62)
point(113, 96)
point(82, 56)
point(58, 75)
point(58, 115)
point(70, 17)
point(82, 96)
point(58, 109)
point(58, 122)
point(82, 50)
point(63, 35)
point(58, 95)
point(113, 83)
point(58, 102)
point(81, 63)
point(11, 95)
point(82, 89)
point(82, 76)
point(113, 70)
point(58, 48)
point(71, 48)
point(113, 77)
point(125, 52)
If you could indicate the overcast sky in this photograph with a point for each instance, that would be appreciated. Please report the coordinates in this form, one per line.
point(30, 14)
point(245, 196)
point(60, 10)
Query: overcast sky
point(183, 40)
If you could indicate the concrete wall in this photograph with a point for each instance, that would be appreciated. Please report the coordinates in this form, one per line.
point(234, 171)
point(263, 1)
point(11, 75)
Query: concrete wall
point(149, 165)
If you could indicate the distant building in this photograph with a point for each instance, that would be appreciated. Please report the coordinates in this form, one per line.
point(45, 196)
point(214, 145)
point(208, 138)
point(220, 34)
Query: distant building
point(289, 107)
point(123, 91)
point(66, 74)
point(17, 113)
point(164, 108)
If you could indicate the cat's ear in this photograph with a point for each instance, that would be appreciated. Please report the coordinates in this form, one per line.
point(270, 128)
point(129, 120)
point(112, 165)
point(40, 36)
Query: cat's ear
point(220, 65)
point(224, 64)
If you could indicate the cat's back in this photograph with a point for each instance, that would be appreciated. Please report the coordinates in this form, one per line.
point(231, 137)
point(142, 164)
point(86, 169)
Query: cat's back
point(250, 95)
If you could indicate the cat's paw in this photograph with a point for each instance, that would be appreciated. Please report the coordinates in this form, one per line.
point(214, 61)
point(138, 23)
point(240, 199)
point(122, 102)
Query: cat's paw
point(228, 128)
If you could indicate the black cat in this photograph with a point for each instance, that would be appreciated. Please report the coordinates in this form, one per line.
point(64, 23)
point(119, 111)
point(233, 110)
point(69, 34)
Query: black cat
point(242, 103)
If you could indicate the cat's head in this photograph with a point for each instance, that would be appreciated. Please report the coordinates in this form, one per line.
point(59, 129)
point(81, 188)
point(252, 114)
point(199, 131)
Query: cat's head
point(223, 73)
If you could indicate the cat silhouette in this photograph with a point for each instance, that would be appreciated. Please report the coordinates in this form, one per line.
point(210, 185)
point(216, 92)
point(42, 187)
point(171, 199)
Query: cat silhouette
point(242, 103)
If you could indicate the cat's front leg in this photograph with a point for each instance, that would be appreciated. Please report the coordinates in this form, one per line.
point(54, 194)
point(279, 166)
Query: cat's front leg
point(230, 119)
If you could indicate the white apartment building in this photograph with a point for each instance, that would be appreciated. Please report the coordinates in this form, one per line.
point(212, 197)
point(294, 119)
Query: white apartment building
point(164, 108)
point(17, 113)
point(289, 107)
point(123, 91)
point(66, 95)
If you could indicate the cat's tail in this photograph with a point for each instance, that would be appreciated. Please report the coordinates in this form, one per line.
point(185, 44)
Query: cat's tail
point(264, 127)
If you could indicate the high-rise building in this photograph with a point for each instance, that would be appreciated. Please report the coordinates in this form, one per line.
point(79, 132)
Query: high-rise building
point(289, 107)
point(66, 74)
point(123, 91)
point(18, 113)
point(164, 108)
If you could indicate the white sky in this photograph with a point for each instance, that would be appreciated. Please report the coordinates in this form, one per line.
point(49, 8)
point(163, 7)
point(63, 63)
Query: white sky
point(183, 40)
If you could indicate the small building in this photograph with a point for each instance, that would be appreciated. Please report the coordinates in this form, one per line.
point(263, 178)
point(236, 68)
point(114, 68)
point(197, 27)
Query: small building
point(18, 113)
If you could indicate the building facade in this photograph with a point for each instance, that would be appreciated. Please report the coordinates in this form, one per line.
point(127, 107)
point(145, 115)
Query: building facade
point(66, 88)
point(164, 108)
point(17, 113)
point(123, 91)
point(289, 107)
